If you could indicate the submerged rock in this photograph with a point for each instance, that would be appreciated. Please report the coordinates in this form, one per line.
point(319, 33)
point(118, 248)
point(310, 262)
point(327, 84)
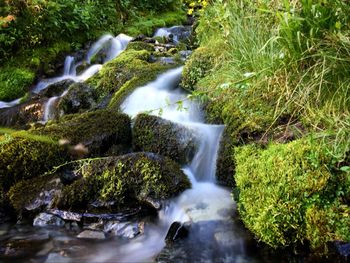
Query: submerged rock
point(127, 230)
point(90, 234)
point(128, 180)
point(44, 220)
point(154, 134)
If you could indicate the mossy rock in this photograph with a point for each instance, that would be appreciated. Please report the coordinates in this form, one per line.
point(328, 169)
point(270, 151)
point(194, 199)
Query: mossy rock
point(140, 45)
point(197, 67)
point(98, 130)
point(23, 157)
point(34, 194)
point(225, 165)
point(288, 194)
point(56, 89)
point(128, 180)
point(157, 135)
point(79, 98)
point(131, 69)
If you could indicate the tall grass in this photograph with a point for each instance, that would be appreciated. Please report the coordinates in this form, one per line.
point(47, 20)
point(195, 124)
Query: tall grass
point(281, 58)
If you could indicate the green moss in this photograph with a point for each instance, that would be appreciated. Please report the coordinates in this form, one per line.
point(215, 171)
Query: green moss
point(24, 158)
point(98, 130)
point(125, 73)
point(139, 45)
point(127, 180)
point(280, 189)
point(197, 67)
point(24, 192)
point(157, 135)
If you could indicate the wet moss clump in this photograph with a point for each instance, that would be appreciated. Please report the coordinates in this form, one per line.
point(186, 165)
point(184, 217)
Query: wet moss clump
point(157, 135)
point(127, 180)
point(119, 77)
point(289, 194)
point(98, 130)
point(23, 157)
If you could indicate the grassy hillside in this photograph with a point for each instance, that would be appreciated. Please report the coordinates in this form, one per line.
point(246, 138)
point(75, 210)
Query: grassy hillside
point(275, 72)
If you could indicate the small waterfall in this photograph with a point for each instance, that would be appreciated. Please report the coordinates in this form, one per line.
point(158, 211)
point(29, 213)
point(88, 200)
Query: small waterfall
point(4, 104)
point(49, 109)
point(68, 66)
point(113, 47)
point(205, 201)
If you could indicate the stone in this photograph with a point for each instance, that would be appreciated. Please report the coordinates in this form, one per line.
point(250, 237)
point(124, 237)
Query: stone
point(56, 89)
point(44, 220)
point(67, 215)
point(57, 258)
point(90, 234)
point(124, 229)
point(177, 231)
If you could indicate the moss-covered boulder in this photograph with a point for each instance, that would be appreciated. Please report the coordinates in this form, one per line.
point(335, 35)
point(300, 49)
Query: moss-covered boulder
point(157, 135)
point(197, 67)
point(120, 76)
point(127, 181)
point(225, 165)
point(24, 156)
point(289, 194)
point(79, 98)
point(56, 89)
point(98, 130)
point(140, 45)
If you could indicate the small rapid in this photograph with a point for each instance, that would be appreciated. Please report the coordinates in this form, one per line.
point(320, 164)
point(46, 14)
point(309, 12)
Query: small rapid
point(205, 201)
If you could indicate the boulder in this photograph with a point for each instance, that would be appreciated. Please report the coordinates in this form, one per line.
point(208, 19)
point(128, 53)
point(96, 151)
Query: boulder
point(130, 181)
point(80, 97)
point(97, 131)
point(44, 220)
point(177, 231)
point(157, 135)
point(56, 89)
point(21, 115)
point(90, 234)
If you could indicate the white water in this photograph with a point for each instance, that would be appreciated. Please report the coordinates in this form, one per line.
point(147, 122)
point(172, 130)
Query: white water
point(113, 47)
point(166, 32)
point(205, 200)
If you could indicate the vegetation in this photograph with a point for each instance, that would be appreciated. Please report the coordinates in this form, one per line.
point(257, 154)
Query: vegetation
point(33, 33)
point(131, 180)
point(278, 71)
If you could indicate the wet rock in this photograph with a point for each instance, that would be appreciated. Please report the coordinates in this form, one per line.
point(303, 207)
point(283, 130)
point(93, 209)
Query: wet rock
point(89, 234)
point(225, 166)
point(56, 89)
point(124, 229)
point(80, 97)
point(154, 134)
point(176, 34)
point(166, 60)
point(66, 215)
point(45, 219)
point(177, 231)
point(20, 116)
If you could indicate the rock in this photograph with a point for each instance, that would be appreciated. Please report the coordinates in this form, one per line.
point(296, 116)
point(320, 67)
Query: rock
point(57, 258)
point(89, 234)
point(124, 229)
point(138, 45)
point(129, 180)
point(177, 231)
point(20, 116)
point(185, 54)
point(154, 134)
point(44, 220)
point(176, 34)
point(56, 89)
point(79, 97)
point(97, 131)
point(66, 215)
point(225, 166)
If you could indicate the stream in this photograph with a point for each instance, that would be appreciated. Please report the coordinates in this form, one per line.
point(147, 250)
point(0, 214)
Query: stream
point(207, 210)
